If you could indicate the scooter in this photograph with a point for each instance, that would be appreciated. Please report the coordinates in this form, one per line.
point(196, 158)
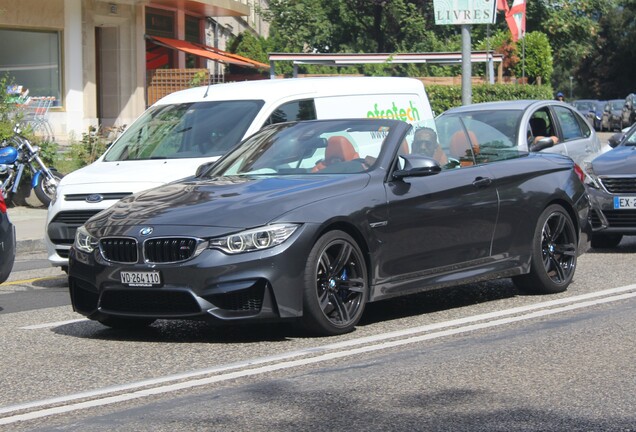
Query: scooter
point(18, 153)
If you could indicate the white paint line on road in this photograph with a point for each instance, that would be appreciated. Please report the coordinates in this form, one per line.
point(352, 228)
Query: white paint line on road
point(136, 390)
point(53, 324)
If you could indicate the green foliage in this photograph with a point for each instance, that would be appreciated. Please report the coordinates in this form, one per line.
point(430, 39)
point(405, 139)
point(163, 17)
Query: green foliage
point(444, 97)
point(9, 112)
point(538, 58)
point(86, 151)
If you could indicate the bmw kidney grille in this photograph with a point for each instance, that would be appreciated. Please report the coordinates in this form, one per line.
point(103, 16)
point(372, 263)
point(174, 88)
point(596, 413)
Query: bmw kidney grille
point(156, 250)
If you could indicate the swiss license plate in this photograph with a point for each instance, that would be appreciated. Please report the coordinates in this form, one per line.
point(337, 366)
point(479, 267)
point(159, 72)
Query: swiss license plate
point(625, 202)
point(138, 278)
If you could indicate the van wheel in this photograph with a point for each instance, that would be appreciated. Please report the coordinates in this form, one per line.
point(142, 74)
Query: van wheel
point(554, 254)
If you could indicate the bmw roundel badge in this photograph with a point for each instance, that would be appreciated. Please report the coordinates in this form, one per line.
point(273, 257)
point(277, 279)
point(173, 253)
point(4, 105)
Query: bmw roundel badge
point(145, 231)
point(94, 198)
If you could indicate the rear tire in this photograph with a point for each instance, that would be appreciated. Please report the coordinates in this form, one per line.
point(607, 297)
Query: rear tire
point(554, 254)
point(336, 285)
point(606, 241)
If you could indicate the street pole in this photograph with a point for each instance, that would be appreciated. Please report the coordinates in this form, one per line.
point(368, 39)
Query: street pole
point(467, 90)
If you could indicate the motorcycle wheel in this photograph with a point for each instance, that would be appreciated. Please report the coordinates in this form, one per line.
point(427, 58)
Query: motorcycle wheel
point(45, 189)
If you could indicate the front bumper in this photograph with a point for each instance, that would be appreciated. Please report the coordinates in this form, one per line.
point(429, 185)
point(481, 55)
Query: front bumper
point(254, 286)
point(606, 219)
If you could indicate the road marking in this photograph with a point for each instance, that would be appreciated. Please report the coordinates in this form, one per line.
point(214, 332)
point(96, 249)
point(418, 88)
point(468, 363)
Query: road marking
point(28, 281)
point(188, 380)
point(53, 324)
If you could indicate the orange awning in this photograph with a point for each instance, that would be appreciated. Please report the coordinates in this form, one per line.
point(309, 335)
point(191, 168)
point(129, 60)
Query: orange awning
point(207, 52)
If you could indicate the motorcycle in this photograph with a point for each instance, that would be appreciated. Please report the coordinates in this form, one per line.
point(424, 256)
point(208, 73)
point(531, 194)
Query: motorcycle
point(18, 153)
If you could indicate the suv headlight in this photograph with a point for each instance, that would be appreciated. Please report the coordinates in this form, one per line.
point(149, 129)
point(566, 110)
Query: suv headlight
point(254, 239)
point(84, 241)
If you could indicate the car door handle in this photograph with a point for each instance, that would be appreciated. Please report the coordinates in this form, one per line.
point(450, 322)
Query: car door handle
point(482, 182)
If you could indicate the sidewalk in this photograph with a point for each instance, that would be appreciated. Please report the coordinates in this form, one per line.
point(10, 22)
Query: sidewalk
point(29, 224)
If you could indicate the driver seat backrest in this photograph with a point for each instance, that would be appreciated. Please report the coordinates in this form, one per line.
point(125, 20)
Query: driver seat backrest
point(538, 126)
point(339, 149)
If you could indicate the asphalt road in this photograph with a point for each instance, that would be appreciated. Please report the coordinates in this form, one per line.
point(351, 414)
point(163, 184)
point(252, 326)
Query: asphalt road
point(480, 357)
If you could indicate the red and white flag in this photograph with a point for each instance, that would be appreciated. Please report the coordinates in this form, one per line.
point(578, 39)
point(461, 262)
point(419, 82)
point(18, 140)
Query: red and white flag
point(502, 5)
point(516, 19)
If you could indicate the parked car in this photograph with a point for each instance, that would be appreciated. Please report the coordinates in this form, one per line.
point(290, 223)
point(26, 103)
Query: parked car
point(309, 221)
point(188, 128)
point(628, 116)
point(611, 183)
point(7, 242)
point(584, 106)
point(596, 114)
point(612, 115)
point(575, 137)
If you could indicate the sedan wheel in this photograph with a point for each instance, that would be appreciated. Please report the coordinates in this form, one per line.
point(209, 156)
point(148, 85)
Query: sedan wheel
point(553, 255)
point(336, 285)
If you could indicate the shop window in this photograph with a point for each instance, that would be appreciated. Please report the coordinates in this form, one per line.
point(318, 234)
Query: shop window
point(31, 59)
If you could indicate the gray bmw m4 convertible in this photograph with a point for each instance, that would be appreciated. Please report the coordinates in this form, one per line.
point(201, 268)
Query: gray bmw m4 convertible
point(310, 221)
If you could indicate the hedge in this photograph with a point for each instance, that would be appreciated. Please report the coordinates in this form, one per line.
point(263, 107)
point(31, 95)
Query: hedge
point(443, 97)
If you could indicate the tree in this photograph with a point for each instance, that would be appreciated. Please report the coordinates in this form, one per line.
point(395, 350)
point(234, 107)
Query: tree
point(537, 60)
point(607, 69)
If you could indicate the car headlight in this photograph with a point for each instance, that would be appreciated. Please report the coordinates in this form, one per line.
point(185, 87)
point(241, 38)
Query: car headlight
point(591, 179)
point(84, 241)
point(254, 239)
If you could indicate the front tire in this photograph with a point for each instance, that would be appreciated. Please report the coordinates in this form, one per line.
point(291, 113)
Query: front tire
point(554, 254)
point(45, 188)
point(336, 285)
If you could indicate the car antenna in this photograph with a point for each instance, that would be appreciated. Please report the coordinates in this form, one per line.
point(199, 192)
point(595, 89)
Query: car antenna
point(209, 83)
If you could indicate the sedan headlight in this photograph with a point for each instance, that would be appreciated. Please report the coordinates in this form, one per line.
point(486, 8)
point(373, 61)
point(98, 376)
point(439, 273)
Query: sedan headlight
point(590, 176)
point(255, 239)
point(84, 241)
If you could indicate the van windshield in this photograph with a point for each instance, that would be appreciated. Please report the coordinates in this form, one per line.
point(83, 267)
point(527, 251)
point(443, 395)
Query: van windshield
point(187, 130)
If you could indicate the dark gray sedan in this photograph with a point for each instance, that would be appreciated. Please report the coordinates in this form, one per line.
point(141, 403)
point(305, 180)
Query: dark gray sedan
point(310, 221)
point(611, 183)
point(7, 242)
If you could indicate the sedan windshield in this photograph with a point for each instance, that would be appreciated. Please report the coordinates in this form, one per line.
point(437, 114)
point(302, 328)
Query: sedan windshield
point(346, 146)
point(187, 130)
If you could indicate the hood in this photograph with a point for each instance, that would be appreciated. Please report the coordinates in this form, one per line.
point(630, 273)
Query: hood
point(620, 160)
point(132, 175)
point(225, 202)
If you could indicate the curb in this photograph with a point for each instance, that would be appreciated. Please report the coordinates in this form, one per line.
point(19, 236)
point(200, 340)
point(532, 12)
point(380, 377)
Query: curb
point(26, 246)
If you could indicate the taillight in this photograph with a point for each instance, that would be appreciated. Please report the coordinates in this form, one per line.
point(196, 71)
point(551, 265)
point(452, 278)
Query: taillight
point(3, 205)
point(579, 172)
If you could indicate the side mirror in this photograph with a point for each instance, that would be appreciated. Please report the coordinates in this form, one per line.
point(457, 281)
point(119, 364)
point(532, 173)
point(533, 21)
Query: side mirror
point(543, 143)
point(417, 166)
point(615, 139)
point(201, 169)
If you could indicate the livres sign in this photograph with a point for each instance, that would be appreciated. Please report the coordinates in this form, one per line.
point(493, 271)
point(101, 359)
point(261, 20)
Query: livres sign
point(465, 11)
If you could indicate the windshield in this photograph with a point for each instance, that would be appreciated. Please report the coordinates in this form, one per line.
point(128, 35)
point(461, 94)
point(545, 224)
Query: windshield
point(319, 147)
point(187, 130)
point(616, 105)
point(585, 105)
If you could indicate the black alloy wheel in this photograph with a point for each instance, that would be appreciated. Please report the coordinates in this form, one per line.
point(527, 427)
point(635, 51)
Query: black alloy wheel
point(336, 285)
point(554, 254)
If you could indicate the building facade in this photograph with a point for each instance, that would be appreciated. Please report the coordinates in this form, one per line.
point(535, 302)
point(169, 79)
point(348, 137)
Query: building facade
point(94, 56)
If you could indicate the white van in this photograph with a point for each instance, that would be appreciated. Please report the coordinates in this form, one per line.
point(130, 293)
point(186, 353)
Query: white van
point(188, 128)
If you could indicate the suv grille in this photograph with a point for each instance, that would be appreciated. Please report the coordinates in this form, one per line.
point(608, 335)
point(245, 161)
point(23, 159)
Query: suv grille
point(618, 185)
point(170, 249)
point(119, 249)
